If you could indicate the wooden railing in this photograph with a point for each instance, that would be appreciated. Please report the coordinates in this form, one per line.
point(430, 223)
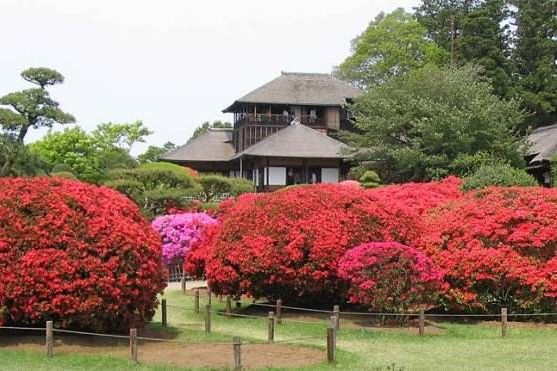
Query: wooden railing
point(276, 119)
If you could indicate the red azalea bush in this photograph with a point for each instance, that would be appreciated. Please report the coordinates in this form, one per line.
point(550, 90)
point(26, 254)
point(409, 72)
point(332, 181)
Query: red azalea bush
point(287, 244)
point(420, 198)
point(77, 254)
point(389, 276)
point(498, 247)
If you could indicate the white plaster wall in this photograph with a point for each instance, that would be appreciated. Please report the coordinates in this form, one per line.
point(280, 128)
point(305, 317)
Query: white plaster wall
point(329, 175)
point(277, 175)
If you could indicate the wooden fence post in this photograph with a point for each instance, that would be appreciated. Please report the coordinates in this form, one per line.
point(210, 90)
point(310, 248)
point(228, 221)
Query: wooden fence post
point(336, 313)
point(228, 306)
point(133, 345)
point(278, 311)
point(503, 322)
point(163, 315)
point(209, 294)
point(183, 284)
point(49, 339)
point(330, 344)
point(271, 326)
point(237, 345)
point(421, 322)
point(196, 302)
point(207, 317)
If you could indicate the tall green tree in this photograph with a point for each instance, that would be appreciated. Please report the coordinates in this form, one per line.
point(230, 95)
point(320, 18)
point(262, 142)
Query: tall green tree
point(535, 57)
point(472, 31)
point(92, 155)
point(392, 45)
point(422, 125)
point(153, 153)
point(30, 108)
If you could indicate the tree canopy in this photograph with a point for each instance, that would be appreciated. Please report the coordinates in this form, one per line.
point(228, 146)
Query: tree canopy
point(91, 155)
point(417, 127)
point(392, 45)
point(26, 109)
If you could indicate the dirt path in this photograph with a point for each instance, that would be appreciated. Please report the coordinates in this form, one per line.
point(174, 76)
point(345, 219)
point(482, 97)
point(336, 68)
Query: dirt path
point(175, 354)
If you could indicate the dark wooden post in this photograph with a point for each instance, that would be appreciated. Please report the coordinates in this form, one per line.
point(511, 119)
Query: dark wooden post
point(503, 322)
point(336, 313)
point(228, 306)
point(133, 345)
point(238, 304)
point(49, 339)
point(196, 302)
point(163, 314)
point(330, 344)
point(278, 311)
point(271, 326)
point(207, 317)
point(237, 345)
point(183, 284)
point(209, 294)
point(421, 322)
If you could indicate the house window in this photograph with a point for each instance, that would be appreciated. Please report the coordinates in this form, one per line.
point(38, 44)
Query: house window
point(297, 175)
point(294, 175)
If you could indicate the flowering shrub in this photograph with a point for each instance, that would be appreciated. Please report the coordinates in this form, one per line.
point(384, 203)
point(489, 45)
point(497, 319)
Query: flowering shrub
point(77, 254)
point(498, 247)
point(420, 198)
point(389, 276)
point(179, 232)
point(288, 243)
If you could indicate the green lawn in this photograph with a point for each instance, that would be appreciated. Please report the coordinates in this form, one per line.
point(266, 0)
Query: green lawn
point(458, 347)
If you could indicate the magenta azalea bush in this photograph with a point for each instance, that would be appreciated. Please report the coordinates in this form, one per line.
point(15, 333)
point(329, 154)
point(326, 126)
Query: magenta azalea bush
point(390, 276)
point(179, 232)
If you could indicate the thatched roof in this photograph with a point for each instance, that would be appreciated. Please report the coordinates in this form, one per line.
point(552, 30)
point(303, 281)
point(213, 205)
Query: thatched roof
point(298, 141)
point(212, 146)
point(316, 89)
point(543, 143)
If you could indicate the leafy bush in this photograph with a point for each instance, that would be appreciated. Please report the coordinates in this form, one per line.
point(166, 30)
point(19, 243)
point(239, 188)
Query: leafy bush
point(497, 247)
point(77, 254)
point(240, 186)
point(498, 175)
point(287, 244)
point(62, 168)
point(388, 276)
point(179, 232)
point(370, 179)
point(64, 174)
point(215, 185)
point(155, 187)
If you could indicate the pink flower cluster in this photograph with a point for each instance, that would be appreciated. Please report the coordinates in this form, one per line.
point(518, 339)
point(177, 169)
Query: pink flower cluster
point(390, 276)
point(179, 232)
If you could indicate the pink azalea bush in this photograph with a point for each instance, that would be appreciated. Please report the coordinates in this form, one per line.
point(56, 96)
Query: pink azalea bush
point(390, 276)
point(180, 232)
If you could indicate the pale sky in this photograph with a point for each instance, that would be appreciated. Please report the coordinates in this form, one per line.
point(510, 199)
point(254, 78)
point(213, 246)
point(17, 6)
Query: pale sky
point(173, 63)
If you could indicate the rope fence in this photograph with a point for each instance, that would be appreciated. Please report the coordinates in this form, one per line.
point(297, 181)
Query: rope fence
point(134, 339)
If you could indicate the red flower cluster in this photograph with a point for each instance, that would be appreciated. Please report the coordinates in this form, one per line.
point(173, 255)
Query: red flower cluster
point(498, 247)
point(77, 254)
point(288, 243)
point(390, 276)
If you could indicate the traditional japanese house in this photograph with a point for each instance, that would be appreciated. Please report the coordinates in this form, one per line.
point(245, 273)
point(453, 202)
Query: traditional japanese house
point(281, 134)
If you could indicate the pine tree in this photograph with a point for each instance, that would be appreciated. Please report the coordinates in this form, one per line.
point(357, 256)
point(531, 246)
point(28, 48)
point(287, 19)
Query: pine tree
point(535, 58)
point(473, 31)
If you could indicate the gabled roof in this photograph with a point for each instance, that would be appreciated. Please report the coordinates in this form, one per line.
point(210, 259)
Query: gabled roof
point(213, 146)
point(543, 142)
point(298, 141)
point(317, 89)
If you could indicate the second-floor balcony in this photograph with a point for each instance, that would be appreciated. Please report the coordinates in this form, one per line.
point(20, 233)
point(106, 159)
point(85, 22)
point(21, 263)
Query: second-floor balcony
point(313, 121)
